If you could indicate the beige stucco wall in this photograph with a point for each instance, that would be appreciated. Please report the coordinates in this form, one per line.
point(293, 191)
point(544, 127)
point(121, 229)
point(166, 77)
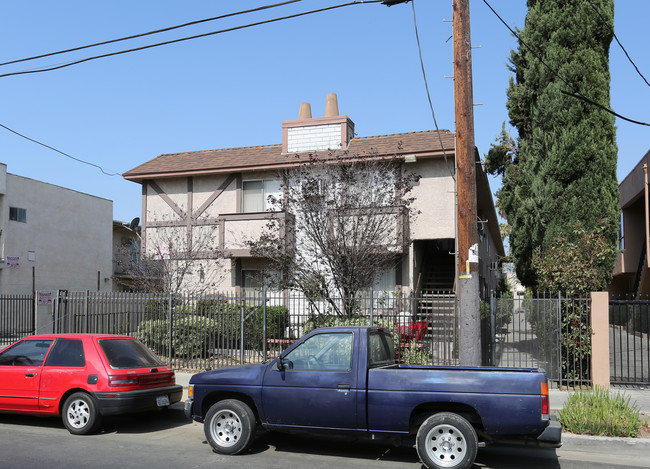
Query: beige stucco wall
point(66, 242)
point(434, 199)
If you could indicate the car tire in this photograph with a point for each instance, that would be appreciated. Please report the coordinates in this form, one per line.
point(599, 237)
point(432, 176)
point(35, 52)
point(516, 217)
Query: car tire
point(80, 415)
point(446, 441)
point(230, 426)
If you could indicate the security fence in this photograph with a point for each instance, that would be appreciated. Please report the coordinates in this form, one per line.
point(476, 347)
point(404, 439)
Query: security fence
point(211, 331)
point(16, 318)
point(552, 333)
point(629, 346)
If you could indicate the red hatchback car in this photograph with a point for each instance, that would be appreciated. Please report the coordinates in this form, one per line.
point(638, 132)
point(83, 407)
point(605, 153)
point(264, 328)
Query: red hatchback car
point(83, 377)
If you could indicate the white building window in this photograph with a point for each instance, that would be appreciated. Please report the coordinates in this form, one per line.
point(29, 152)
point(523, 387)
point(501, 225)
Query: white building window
point(386, 282)
point(255, 194)
point(18, 214)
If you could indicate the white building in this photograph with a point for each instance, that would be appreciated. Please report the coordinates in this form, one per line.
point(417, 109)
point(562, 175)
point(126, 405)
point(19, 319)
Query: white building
point(52, 238)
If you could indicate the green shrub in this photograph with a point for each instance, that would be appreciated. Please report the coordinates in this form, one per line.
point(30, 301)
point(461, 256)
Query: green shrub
point(154, 333)
point(277, 321)
point(599, 413)
point(212, 324)
point(192, 335)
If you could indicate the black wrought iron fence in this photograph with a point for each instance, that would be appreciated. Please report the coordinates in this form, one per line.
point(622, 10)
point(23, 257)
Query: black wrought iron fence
point(629, 345)
point(552, 333)
point(16, 318)
point(217, 330)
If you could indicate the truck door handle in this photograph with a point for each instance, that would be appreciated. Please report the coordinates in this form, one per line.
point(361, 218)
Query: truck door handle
point(30, 375)
point(344, 387)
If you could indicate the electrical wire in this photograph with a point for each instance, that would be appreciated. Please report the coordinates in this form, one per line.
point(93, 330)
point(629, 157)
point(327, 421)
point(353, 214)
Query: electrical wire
point(575, 94)
point(61, 152)
point(212, 33)
point(619, 42)
point(426, 86)
point(150, 46)
point(157, 31)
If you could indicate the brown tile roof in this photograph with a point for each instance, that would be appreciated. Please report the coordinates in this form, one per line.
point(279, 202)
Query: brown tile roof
point(426, 143)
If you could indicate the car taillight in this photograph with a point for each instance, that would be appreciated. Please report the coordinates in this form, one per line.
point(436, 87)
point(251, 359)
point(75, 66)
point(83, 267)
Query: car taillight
point(123, 380)
point(544, 392)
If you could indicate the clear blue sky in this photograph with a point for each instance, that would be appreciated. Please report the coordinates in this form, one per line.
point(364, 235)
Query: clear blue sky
point(235, 89)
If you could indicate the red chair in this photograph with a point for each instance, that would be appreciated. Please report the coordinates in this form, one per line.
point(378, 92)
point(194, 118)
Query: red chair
point(412, 331)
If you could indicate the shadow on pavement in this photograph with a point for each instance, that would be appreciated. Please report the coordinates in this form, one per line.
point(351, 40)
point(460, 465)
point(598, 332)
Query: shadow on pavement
point(145, 422)
point(332, 446)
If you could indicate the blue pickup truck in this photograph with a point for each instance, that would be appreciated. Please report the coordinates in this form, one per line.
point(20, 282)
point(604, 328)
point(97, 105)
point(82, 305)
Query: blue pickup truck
point(344, 380)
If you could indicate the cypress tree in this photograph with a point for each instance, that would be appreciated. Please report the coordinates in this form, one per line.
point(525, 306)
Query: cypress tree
point(562, 171)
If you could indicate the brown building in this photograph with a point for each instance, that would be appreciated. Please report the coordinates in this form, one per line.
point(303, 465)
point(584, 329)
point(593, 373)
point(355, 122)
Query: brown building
point(631, 269)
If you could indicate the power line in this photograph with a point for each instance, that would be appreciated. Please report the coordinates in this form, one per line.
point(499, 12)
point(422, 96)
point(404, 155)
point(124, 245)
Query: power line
point(156, 45)
point(61, 152)
point(575, 94)
point(157, 31)
point(426, 86)
point(212, 33)
point(619, 42)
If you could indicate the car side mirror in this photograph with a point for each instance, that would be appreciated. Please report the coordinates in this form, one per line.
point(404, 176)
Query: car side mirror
point(280, 363)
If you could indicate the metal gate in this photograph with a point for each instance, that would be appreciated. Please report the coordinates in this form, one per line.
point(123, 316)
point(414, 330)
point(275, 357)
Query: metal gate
point(16, 318)
point(629, 346)
point(552, 333)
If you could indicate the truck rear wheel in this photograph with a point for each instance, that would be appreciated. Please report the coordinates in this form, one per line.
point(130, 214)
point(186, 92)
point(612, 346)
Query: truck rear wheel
point(229, 426)
point(446, 440)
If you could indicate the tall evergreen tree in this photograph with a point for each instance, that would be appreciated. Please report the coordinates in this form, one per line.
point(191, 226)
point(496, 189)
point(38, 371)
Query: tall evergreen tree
point(562, 169)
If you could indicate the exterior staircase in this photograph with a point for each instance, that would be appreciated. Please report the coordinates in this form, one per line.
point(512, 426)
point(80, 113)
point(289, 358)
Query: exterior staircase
point(437, 304)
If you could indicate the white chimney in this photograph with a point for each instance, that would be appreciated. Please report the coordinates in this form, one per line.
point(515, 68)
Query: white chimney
point(332, 132)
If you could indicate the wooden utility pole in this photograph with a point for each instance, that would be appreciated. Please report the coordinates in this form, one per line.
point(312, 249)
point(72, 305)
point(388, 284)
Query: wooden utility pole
point(467, 224)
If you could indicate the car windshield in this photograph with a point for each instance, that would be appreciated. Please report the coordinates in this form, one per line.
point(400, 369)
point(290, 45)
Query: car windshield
point(128, 353)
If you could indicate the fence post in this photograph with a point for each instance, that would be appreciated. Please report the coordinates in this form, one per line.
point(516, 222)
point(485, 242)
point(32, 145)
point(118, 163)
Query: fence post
point(171, 327)
point(559, 339)
point(241, 331)
point(86, 312)
point(264, 323)
point(493, 313)
point(600, 339)
point(372, 310)
point(55, 313)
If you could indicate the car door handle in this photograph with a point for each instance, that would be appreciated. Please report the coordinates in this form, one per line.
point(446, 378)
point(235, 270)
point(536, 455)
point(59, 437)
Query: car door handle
point(30, 375)
point(344, 387)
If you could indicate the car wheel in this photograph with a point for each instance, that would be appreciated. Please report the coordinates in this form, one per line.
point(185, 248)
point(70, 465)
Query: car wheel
point(229, 426)
point(79, 414)
point(447, 440)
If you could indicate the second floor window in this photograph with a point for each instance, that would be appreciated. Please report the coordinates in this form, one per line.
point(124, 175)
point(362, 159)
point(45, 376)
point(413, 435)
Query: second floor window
point(18, 214)
point(255, 194)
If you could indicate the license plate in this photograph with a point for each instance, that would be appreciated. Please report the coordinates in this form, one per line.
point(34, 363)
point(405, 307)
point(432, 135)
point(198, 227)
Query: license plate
point(162, 401)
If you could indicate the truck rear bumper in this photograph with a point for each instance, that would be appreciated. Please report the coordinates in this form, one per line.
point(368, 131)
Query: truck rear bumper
point(552, 434)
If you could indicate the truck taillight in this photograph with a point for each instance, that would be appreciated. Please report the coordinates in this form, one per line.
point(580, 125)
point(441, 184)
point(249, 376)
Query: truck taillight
point(122, 380)
point(545, 402)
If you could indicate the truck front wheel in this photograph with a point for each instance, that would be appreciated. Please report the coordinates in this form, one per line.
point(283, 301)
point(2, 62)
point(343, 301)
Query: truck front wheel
point(446, 440)
point(229, 426)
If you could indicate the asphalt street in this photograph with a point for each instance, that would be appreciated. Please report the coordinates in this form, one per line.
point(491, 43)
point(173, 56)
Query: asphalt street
point(167, 440)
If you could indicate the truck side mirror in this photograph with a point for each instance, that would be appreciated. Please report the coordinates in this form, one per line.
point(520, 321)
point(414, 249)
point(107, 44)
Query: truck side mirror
point(280, 363)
